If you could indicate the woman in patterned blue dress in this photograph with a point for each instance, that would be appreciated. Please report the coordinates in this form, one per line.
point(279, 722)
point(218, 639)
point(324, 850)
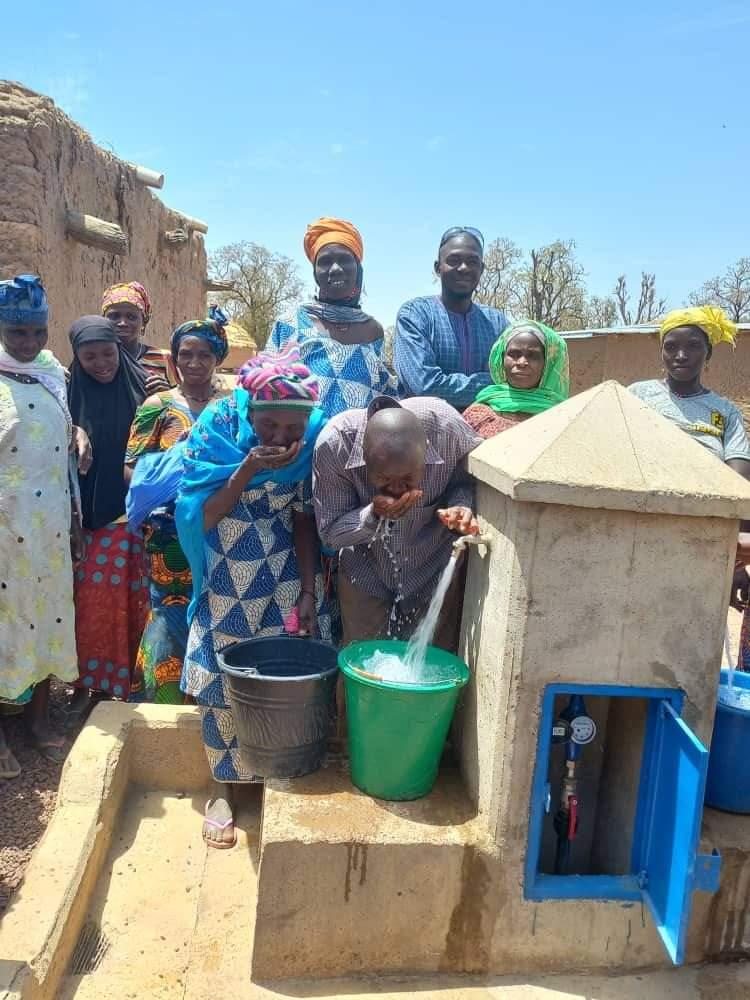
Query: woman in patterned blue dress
point(340, 343)
point(245, 522)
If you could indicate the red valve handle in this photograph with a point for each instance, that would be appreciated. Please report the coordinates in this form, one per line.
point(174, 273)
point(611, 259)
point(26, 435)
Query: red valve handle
point(572, 816)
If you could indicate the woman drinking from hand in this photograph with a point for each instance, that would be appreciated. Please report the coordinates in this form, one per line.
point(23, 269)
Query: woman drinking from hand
point(106, 387)
point(246, 524)
point(161, 424)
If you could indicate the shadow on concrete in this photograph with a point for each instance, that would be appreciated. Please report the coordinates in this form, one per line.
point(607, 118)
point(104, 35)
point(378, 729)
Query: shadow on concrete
point(446, 805)
point(454, 987)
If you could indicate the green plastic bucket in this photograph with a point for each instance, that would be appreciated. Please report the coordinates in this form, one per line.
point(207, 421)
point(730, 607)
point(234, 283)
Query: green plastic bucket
point(397, 731)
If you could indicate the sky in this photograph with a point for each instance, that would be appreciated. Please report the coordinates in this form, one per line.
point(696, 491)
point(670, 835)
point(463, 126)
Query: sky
point(625, 127)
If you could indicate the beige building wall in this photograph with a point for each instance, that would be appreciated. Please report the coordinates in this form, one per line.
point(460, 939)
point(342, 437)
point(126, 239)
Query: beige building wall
point(49, 165)
point(631, 357)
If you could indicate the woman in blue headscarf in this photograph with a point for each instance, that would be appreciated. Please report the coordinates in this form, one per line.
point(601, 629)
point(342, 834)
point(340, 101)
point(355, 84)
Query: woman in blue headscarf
point(245, 521)
point(40, 525)
point(160, 426)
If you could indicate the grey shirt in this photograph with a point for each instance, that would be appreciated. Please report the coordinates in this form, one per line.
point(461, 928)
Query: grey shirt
point(417, 546)
point(712, 420)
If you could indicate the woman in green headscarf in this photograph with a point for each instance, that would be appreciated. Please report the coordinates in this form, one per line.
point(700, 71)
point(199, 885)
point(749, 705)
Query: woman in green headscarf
point(529, 368)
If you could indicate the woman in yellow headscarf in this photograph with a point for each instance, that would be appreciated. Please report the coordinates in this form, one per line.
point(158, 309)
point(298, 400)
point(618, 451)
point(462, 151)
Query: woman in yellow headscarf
point(688, 338)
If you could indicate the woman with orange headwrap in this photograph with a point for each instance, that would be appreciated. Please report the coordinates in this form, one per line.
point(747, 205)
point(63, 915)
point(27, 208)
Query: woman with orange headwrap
point(340, 343)
point(337, 341)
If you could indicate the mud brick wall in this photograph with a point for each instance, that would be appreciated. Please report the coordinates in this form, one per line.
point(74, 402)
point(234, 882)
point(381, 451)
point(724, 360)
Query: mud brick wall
point(631, 357)
point(49, 165)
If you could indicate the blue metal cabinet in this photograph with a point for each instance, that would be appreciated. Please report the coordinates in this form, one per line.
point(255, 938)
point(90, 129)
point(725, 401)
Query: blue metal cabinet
point(665, 867)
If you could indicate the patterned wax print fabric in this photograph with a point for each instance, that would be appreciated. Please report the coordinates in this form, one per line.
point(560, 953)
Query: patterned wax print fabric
point(156, 361)
point(251, 586)
point(111, 596)
point(159, 424)
point(37, 618)
point(349, 375)
point(709, 418)
point(486, 422)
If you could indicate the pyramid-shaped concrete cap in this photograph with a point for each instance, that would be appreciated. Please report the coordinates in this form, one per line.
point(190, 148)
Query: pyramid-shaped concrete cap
point(605, 448)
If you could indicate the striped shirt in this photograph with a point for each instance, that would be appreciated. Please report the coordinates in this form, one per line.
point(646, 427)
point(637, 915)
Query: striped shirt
point(407, 561)
point(442, 353)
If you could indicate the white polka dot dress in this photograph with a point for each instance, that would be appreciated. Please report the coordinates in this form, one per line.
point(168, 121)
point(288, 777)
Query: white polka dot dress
point(37, 622)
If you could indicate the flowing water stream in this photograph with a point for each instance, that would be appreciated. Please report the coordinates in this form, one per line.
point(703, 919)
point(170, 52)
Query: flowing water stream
point(412, 668)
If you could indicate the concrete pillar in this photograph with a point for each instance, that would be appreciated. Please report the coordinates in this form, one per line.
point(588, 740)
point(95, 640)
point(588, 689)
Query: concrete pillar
point(613, 539)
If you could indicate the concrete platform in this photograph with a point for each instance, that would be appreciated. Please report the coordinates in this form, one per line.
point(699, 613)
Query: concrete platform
point(352, 885)
point(176, 915)
point(730, 982)
point(124, 852)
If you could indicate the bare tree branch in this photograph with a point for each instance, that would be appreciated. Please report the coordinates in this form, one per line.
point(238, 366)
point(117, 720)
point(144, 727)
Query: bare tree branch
point(266, 286)
point(730, 291)
point(601, 312)
point(498, 286)
point(555, 291)
point(649, 308)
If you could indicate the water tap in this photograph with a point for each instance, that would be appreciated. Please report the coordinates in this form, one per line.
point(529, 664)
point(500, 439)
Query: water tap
point(465, 540)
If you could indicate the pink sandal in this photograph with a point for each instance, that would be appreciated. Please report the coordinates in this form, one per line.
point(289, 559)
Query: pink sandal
point(219, 845)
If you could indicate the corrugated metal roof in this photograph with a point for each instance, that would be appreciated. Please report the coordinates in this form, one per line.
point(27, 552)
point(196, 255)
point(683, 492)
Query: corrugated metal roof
point(626, 330)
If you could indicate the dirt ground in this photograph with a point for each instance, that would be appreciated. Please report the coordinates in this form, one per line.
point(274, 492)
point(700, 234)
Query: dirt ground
point(27, 802)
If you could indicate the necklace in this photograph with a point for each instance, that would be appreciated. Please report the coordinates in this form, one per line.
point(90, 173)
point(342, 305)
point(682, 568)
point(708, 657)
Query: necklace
point(200, 399)
point(686, 395)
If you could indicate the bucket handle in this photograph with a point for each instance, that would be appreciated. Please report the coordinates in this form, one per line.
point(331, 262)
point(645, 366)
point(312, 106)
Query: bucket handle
point(377, 677)
point(367, 674)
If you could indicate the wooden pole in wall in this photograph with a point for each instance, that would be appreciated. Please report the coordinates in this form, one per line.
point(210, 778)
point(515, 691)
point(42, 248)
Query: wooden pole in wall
point(176, 236)
point(215, 285)
point(96, 232)
point(196, 224)
point(149, 178)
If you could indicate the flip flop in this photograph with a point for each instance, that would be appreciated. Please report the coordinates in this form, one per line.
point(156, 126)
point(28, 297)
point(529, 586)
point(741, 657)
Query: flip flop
point(219, 845)
point(74, 718)
point(9, 766)
point(50, 750)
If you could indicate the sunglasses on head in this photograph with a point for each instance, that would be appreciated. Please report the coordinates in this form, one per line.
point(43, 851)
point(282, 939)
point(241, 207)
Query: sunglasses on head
point(460, 231)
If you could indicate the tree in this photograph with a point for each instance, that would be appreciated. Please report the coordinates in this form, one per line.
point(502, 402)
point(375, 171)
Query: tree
point(548, 286)
point(498, 286)
point(266, 286)
point(730, 291)
point(649, 307)
point(389, 335)
point(601, 312)
point(552, 287)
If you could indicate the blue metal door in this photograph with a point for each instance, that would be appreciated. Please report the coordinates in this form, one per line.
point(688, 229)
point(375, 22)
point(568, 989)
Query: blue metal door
point(672, 868)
